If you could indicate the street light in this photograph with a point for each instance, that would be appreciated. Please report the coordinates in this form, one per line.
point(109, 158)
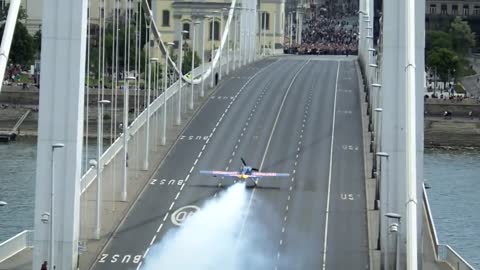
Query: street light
point(394, 228)
point(164, 131)
point(221, 48)
point(52, 208)
point(101, 103)
point(212, 41)
point(179, 112)
point(125, 136)
point(193, 63)
point(147, 132)
point(228, 46)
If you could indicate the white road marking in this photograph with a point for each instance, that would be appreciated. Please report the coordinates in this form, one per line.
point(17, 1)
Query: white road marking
point(146, 252)
point(199, 154)
point(160, 227)
point(171, 206)
point(139, 265)
point(188, 176)
point(183, 185)
point(330, 172)
point(283, 229)
point(153, 239)
point(165, 217)
point(178, 194)
point(266, 149)
point(195, 163)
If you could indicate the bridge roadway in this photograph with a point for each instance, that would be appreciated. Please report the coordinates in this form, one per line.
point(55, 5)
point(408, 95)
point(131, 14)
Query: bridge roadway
point(287, 114)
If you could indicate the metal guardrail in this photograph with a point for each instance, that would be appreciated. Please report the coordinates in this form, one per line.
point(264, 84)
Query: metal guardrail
point(450, 256)
point(16, 244)
point(443, 253)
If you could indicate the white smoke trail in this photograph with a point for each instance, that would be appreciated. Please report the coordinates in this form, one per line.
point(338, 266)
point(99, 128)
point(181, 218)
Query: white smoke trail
point(207, 239)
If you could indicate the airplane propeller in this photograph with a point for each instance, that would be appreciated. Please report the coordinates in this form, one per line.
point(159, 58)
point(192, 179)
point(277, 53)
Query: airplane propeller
point(245, 164)
point(243, 161)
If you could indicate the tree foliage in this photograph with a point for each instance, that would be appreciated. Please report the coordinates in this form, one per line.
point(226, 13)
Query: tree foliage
point(22, 13)
point(462, 37)
point(445, 61)
point(37, 38)
point(22, 50)
point(187, 61)
point(437, 40)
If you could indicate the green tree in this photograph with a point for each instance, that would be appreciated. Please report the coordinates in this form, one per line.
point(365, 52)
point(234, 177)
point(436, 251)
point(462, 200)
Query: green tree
point(463, 39)
point(22, 13)
point(187, 61)
point(445, 61)
point(437, 40)
point(37, 38)
point(22, 50)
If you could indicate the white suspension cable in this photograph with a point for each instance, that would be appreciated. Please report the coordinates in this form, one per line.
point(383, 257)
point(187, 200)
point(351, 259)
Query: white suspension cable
point(159, 41)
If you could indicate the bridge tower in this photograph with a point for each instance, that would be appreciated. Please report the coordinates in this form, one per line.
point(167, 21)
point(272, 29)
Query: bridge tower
point(60, 122)
point(393, 140)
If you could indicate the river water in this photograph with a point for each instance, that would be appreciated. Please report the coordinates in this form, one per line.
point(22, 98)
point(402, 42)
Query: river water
point(453, 175)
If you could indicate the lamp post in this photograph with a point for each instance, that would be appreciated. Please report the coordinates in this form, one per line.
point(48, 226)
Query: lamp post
point(147, 132)
point(164, 131)
point(221, 48)
point(228, 48)
point(212, 41)
point(193, 63)
point(101, 104)
point(377, 193)
point(125, 137)
point(234, 40)
point(394, 228)
point(52, 205)
point(376, 140)
point(180, 64)
point(202, 89)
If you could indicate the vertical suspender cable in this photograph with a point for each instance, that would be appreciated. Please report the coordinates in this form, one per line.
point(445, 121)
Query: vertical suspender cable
point(87, 79)
point(103, 62)
point(411, 139)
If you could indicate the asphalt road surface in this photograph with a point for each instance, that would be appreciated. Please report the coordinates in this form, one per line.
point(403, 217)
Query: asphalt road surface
point(299, 115)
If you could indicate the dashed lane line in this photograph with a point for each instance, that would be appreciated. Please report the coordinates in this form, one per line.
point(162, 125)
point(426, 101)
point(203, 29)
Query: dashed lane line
point(196, 161)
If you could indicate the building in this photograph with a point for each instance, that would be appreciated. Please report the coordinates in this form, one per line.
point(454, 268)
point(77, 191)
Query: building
point(439, 13)
point(174, 16)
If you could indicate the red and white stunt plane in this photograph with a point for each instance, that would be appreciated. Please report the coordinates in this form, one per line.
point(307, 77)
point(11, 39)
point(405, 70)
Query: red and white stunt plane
point(246, 174)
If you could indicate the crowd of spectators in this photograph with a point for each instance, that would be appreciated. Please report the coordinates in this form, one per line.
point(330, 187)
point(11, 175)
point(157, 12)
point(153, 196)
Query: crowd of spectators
point(328, 34)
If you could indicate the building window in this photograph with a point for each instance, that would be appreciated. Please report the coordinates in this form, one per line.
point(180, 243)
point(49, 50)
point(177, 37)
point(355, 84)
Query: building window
point(476, 10)
point(466, 10)
point(216, 34)
point(186, 27)
point(433, 9)
point(443, 11)
point(265, 21)
point(165, 18)
point(454, 10)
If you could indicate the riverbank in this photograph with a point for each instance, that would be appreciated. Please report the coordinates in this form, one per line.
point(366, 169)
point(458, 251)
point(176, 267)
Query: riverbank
point(459, 132)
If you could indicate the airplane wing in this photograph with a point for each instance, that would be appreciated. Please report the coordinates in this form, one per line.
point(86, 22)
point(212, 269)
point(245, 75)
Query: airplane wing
point(269, 174)
point(222, 173)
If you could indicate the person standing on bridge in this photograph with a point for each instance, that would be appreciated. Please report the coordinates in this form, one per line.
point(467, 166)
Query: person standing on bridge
point(44, 266)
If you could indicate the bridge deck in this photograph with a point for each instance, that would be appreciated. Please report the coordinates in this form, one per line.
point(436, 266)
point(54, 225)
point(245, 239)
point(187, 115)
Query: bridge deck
point(318, 75)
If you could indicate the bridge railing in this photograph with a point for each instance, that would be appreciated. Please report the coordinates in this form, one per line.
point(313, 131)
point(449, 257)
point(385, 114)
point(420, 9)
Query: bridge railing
point(443, 253)
point(16, 244)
